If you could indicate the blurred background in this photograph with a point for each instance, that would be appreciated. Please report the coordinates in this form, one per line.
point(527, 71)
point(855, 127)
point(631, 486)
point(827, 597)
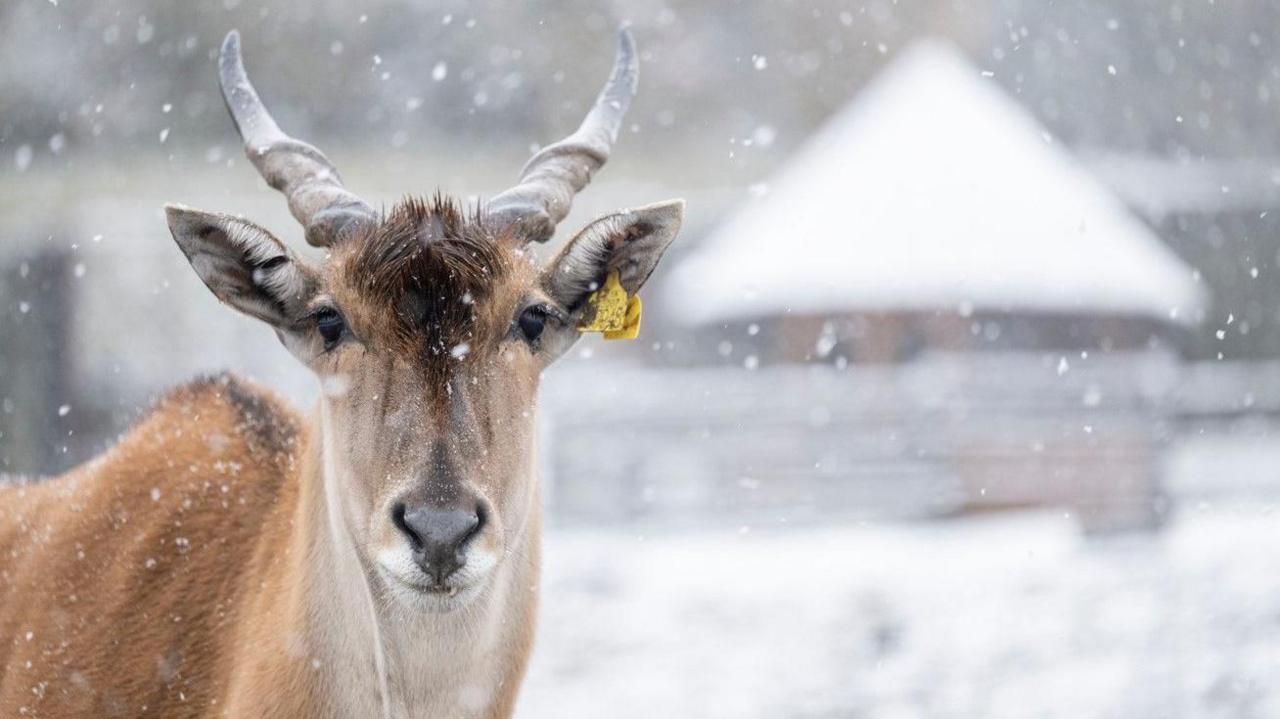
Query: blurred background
point(958, 396)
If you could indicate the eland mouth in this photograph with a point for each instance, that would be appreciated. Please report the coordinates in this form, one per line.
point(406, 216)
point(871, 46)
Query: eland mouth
point(408, 581)
point(429, 596)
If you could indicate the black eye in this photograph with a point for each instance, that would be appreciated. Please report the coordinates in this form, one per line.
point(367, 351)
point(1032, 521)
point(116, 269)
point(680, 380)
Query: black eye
point(330, 325)
point(531, 321)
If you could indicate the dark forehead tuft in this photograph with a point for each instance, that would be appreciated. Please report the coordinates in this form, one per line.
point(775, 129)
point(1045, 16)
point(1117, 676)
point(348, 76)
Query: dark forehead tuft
point(425, 269)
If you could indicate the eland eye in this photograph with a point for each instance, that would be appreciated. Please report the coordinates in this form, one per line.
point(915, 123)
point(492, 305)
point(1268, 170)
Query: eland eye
point(330, 325)
point(532, 321)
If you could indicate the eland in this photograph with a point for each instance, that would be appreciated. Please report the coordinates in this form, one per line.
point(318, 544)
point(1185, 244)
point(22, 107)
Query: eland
point(379, 556)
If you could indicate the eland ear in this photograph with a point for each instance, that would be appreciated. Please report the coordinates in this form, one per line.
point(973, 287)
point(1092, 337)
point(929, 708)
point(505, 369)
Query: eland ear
point(630, 242)
point(244, 265)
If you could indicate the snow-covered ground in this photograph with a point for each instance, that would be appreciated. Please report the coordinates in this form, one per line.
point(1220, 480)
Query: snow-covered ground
point(1014, 616)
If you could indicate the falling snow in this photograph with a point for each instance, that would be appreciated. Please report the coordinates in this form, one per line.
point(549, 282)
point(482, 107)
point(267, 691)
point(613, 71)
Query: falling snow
point(952, 280)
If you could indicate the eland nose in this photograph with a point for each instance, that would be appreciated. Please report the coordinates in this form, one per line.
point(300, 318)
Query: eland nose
point(438, 535)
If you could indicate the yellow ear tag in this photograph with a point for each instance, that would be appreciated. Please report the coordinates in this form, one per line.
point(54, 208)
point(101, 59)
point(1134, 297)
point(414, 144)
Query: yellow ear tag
point(615, 314)
point(630, 324)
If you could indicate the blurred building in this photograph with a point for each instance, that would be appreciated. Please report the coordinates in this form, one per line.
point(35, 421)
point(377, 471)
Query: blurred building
point(931, 206)
point(932, 300)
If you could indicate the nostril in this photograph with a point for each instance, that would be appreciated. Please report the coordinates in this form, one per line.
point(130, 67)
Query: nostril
point(481, 518)
point(397, 517)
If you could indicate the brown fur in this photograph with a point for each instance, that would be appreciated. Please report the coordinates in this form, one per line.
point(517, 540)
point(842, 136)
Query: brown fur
point(126, 558)
point(433, 266)
point(164, 579)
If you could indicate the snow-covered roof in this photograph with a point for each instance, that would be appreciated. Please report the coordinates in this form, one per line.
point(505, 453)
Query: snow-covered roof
point(933, 190)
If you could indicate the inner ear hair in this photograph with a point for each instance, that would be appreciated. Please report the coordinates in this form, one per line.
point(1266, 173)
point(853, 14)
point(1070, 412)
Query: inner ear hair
point(243, 264)
point(630, 242)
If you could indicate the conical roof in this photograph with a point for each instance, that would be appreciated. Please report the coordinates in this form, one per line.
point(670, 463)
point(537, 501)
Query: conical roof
point(932, 190)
